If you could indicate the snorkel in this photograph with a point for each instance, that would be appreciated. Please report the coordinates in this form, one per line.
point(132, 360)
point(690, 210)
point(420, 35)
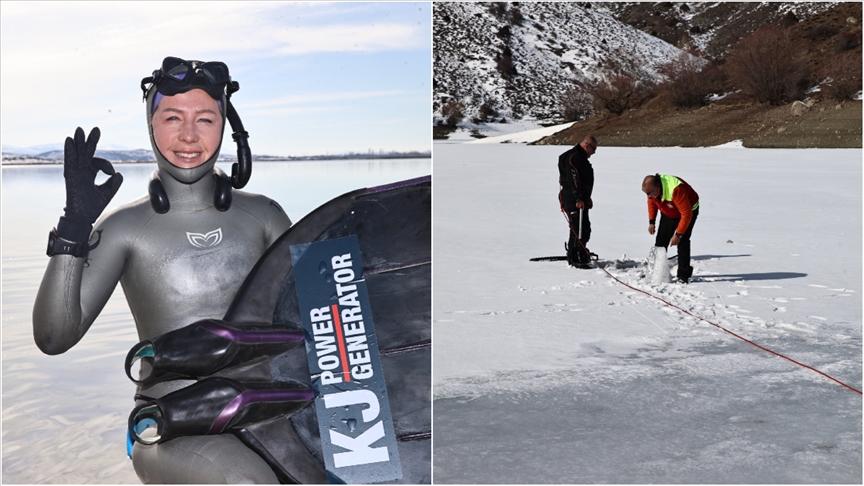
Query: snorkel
point(179, 76)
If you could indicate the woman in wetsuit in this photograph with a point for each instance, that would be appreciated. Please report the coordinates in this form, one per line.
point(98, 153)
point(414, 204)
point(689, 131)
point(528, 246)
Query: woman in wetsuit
point(181, 252)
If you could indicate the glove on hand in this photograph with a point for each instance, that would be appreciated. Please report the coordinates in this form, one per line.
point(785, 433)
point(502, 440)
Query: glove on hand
point(85, 201)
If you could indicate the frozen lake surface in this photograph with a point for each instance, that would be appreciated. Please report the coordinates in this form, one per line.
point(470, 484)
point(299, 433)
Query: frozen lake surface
point(549, 374)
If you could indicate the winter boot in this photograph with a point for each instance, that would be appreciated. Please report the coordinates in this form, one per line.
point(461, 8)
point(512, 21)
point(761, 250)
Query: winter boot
point(583, 260)
point(685, 274)
point(572, 255)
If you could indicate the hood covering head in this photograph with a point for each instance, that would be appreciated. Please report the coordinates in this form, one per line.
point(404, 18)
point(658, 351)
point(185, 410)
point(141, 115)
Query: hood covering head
point(168, 82)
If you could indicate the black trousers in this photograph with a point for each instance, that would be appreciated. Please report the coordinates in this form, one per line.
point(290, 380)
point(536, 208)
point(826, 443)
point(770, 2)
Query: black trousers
point(664, 235)
point(575, 252)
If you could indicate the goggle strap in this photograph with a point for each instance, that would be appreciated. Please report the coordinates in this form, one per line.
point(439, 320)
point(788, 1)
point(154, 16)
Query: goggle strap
point(147, 80)
point(231, 87)
point(242, 169)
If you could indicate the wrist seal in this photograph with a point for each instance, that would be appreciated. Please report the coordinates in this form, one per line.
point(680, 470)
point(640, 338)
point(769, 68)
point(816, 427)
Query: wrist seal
point(59, 246)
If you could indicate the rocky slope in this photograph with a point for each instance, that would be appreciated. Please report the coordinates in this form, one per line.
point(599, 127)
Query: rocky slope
point(711, 27)
point(514, 60)
point(824, 123)
point(559, 45)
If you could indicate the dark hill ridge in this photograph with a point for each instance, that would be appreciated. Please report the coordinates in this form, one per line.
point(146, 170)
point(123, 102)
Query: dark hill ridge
point(711, 27)
point(825, 123)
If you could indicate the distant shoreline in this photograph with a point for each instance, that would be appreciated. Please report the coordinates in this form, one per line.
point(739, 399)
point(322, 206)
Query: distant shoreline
point(16, 159)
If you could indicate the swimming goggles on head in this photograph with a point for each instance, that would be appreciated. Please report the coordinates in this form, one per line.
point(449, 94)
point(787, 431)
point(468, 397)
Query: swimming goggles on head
point(178, 76)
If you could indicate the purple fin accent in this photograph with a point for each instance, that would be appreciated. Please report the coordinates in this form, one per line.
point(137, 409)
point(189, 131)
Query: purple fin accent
point(256, 396)
point(253, 337)
point(397, 185)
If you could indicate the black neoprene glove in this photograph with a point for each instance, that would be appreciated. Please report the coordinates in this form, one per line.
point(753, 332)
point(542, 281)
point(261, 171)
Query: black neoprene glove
point(85, 201)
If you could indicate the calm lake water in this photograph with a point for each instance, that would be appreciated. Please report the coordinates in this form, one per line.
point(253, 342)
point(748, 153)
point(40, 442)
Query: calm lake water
point(64, 417)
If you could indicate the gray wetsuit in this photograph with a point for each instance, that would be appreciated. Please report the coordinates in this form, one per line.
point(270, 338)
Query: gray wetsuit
point(175, 268)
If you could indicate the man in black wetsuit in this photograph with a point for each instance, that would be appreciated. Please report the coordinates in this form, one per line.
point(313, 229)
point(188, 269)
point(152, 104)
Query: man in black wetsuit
point(576, 180)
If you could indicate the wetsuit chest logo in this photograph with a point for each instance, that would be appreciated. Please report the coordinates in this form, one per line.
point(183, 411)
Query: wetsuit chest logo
point(199, 240)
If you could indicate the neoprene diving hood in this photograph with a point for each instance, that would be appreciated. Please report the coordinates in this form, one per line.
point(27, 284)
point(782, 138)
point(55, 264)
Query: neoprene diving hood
point(179, 76)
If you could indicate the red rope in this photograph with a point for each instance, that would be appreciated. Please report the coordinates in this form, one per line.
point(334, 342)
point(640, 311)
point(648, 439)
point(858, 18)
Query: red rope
point(703, 319)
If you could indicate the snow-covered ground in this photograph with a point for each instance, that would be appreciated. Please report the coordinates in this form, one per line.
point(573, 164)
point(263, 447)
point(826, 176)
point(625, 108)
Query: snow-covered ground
point(549, 374)
point(523, 131)
point(555, 44)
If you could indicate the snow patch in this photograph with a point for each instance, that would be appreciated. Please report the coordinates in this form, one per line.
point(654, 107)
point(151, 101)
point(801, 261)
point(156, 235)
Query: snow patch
point(732, 144)
point(526, 136)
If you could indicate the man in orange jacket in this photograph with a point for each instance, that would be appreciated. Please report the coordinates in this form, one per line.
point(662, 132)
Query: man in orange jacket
point(679, 205)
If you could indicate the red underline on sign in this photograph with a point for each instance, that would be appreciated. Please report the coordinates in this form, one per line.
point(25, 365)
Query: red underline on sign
point(341, 340)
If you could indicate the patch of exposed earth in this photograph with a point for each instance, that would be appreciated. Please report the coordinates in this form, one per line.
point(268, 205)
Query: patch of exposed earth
point(824, 124)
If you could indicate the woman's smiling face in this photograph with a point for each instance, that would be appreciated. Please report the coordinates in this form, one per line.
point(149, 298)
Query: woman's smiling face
point(187, 128)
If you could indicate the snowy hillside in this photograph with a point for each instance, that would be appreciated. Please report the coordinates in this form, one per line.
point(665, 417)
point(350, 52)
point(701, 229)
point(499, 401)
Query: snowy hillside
point(710, 27)
point(551, 46)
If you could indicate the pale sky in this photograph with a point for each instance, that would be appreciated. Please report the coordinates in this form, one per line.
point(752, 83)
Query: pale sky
point(315, 78)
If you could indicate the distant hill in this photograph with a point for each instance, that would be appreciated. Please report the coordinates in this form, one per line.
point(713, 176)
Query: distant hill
point(827, 28)
point(25, 156)
point(137, 155)
point(711, 27)
point(513, 61)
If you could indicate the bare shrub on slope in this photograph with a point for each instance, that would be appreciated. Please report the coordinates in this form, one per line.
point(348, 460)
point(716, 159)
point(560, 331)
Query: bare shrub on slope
point(690, 80)
point(576, 104)
point(844, 75)
point(453, 112)
point(626, 83)
point(770, 66)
